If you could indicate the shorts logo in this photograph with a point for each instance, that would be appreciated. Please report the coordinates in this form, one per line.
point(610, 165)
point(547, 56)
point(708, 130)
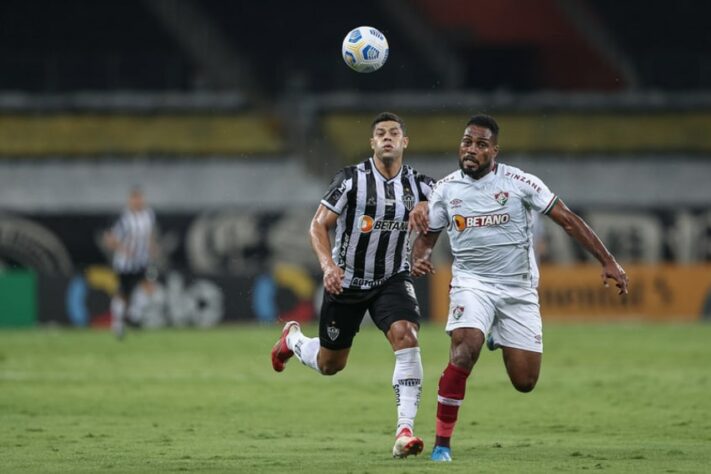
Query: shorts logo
point(457, 312)
point(538, 338)
point(501, 197)
point(333, 332)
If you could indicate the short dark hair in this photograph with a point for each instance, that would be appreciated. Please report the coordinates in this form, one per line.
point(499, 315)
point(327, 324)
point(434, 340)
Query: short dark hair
point(485, 121)
point(388, 117)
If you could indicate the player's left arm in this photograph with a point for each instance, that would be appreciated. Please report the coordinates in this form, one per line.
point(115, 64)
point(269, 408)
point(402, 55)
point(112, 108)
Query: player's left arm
point(577, 228)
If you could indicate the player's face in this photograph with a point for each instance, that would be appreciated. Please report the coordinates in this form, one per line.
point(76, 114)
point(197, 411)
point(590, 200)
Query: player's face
point(136, 201)
point(477, 151)
point(388, 142)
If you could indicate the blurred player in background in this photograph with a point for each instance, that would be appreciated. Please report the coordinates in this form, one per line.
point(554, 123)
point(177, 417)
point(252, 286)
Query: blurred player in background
point(132, 240)
point(487, 209)
point(368, 205)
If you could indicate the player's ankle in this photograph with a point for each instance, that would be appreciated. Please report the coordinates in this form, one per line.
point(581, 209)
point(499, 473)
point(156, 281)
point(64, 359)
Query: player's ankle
point(442, 441)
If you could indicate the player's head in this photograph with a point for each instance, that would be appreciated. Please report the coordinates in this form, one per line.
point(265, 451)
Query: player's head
point(136, 200)
point(389, 138)
point(479, 146)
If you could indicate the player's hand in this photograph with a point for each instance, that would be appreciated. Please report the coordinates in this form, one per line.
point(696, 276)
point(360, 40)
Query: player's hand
point(332, 279)
point(422, 266)
point(419, 218)
point(613, 270)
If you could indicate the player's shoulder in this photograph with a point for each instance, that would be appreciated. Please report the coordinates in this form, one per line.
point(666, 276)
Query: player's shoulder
point(408, 170)
point(452, 178)
point(519, 177)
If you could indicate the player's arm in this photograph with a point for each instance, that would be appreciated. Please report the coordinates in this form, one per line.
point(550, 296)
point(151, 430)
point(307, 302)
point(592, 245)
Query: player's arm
point(322, 222)
point(418, 220)
point(422, 253)
point(577, 228)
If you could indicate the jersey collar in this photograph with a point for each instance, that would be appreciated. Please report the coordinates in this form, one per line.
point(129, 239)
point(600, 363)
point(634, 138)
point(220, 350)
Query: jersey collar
point(377, 172)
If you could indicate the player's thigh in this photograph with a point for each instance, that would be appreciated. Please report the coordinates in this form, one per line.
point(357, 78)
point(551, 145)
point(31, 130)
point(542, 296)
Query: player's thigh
point(523, 367)
point(470, 307)
point(395, 311)
point(340, 319)
point(518, 323)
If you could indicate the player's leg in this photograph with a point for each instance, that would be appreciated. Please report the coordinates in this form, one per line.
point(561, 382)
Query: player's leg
point(518, 331)
point(395, 311)
point(471, 314)
point(118, 305)
point(338, 324)
point(523, 367)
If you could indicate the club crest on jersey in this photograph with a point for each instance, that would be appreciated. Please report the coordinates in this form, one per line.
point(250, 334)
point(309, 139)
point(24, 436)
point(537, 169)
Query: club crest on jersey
point(457, 312)
point(408, 200)
point(501, 197)
point(333, 332)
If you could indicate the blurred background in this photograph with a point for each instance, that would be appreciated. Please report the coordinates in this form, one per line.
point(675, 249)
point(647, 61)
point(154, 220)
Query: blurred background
point(232, 116)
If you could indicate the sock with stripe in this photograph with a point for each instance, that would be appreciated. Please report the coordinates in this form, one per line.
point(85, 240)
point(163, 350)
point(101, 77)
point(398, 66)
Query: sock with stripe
point(305, 348)
point(407, 384)
point(452, 385)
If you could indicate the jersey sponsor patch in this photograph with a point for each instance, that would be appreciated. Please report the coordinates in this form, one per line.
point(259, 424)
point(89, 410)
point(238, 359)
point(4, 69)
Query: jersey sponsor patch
point(463, 222)
point(367, 224)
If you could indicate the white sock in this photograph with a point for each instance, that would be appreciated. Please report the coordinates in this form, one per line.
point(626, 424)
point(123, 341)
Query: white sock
point(117, 309)
point(305, 348)
point(407, 383)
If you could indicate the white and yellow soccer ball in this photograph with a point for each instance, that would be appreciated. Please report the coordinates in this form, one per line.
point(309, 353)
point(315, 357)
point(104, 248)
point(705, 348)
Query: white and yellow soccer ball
point(365, 49)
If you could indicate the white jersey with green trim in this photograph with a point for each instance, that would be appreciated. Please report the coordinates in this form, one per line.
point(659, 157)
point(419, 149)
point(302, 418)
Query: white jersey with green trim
point(489, 222)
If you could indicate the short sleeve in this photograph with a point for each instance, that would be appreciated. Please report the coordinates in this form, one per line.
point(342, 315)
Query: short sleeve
point(536, 193)
point(438, 209)
point(336, 196)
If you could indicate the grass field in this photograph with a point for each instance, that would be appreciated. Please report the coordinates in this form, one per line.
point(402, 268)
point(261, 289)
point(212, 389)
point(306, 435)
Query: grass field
point(617, 398)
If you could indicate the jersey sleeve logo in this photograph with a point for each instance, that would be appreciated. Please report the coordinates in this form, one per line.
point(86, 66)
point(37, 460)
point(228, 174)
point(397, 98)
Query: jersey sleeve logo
point(502, 197)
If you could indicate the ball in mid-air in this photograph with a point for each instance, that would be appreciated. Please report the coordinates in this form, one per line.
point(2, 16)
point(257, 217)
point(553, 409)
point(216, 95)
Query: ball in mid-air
point(365, 49)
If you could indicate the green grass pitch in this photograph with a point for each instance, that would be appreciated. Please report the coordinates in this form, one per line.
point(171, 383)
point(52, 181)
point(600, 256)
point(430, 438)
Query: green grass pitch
point(615, 398)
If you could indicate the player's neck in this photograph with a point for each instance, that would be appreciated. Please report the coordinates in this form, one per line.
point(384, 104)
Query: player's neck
point(388, 171)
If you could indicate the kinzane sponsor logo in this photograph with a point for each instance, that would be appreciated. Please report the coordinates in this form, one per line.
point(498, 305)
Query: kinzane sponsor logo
point(463, 222)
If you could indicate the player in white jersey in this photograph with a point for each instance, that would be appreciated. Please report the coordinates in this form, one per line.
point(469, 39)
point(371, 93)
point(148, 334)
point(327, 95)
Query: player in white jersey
point(368, 268)
point(133, 243)
point(487, 209)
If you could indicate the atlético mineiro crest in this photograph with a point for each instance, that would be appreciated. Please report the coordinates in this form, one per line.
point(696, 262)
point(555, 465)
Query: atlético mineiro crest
point(502, 197)
point(408, 200)
point(457, 312)
point(333, 332)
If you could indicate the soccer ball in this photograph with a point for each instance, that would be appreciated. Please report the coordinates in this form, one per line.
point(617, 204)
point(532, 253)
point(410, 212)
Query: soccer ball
point(365, 49)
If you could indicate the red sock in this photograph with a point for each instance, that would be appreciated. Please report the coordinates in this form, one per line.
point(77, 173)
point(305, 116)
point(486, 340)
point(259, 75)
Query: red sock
point(452, 385)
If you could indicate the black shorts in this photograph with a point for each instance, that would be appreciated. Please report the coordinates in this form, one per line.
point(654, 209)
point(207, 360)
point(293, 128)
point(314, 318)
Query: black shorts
point(342, 314)
point(129, 281)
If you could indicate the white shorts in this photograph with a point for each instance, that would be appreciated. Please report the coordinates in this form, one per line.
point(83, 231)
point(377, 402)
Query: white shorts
point(511, 314)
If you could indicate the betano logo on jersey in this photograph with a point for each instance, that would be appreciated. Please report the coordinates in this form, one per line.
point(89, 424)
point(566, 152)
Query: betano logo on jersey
point(464, 222)
point(367, 224)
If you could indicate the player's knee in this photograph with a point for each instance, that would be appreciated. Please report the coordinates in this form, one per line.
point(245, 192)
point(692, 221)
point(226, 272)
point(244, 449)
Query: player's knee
point(525, 384)
point(331, 368)
point(403, 335)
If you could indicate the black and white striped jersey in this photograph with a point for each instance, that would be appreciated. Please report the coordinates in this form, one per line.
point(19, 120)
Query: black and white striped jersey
point(134, 231)
point(371, 232)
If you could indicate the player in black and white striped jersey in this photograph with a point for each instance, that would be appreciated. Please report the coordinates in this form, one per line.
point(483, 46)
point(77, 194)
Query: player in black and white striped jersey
point(368, 268)
point(133, 244)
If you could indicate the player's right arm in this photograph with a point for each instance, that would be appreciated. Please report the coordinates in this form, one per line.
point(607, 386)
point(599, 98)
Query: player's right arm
point(323, 221)
point(422, 253)
point(577, 228)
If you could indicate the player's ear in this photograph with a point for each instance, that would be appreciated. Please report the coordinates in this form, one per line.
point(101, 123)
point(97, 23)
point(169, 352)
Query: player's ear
point(372, 144)
point(405, 142)
point(496, 150)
